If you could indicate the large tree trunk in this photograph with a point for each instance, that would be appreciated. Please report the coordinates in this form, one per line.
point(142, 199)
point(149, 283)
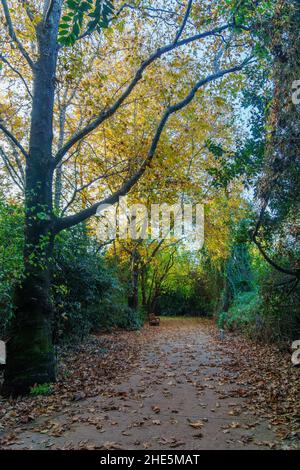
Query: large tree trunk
point(30, 355)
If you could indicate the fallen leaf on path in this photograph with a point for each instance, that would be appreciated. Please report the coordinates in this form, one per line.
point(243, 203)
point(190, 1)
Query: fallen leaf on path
point(156, 421)
point(199, 435)
point(111, 446)
point(196, 424)
point(235, 425)
point(155, 408)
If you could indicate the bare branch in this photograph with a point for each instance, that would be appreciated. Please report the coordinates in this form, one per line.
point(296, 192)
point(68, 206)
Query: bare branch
point(13, 35)
point(184, 21)
point(157, 12)
point(16, 72)
point(11, 170)
point(87, 185)
point(29, 11)
point(276, 266)
point(254, 235)
point(48, 11)
point(13, 139)
point(72, 220)
point(18, 161)
point(221, 51)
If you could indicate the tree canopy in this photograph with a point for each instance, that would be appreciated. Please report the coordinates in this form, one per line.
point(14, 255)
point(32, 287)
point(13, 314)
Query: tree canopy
point(162, 102)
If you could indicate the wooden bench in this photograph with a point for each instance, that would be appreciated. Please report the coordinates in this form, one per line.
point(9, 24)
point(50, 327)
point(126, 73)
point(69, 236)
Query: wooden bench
point(2, 354)
point(153, 320)
point(296, 353)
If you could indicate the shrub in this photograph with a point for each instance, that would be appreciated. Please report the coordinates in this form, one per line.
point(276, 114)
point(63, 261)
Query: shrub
point(280, 308)
point(113, 312)
point(271, 314)
point(243, 314)
point(178, 303)
point(11, 258)
point(87, 293)
point(41, 389)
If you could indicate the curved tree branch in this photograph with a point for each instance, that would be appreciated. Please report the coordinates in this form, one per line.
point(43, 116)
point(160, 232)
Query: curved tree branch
point(11, 170)
point(276, 266)
point(48, 11)
point(138, 76)
point(13, 35)
point(184, 21)
point(13, 139)
point(72, 220)
point(254, 237)
point(16, 72)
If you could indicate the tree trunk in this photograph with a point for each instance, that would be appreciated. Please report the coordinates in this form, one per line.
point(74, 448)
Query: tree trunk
point(30, 354)
point(227, 296)
point(58, 173)
point(133, 298)
point(152, 303)
point(143, 287)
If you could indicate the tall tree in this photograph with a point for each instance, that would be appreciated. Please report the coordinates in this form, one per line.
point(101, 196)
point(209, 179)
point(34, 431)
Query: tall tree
point(30, 355)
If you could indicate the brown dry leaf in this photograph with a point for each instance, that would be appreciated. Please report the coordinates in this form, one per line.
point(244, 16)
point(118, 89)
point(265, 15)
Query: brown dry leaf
point(111, 446)
point(196, 424)
point(156, 421)
point(235, 425)
point(79, 396)
point(199, 435)
point(176, 443)
point(155, 409)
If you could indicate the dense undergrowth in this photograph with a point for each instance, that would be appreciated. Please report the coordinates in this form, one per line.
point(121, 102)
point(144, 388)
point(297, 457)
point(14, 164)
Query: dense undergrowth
point(86, 292)
point(90, 290)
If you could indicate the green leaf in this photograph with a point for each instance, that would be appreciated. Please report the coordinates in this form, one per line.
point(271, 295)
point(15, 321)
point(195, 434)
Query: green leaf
point(76, 29)
point(72, 4)
point(100, 12)
point(85, 7)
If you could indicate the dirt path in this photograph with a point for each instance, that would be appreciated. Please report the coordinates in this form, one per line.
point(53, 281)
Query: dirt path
point(177, 395)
